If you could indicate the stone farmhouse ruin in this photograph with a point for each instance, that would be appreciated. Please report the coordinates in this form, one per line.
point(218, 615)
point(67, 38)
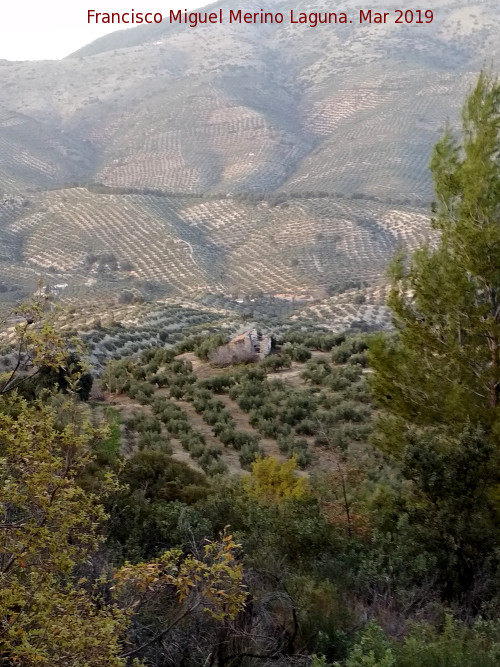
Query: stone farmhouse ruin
point(248, 346)
point(252, 342)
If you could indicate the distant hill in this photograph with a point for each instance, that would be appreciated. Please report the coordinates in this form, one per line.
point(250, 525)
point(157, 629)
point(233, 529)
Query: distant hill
point(339, 119)
point(230, 108)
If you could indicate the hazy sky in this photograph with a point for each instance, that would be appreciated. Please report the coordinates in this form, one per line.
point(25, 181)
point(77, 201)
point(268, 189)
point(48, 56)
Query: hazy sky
point(40, 29)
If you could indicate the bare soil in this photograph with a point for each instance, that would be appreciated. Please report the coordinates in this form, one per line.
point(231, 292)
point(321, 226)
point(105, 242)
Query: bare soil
point(128, 407)
point(203, 370)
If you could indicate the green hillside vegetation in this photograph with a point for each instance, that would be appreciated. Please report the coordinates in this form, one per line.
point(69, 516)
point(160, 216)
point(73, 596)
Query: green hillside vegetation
point(335, 503)
point(298, 403)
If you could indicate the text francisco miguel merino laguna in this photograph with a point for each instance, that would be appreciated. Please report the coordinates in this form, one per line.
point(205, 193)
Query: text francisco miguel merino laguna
point(312, 19)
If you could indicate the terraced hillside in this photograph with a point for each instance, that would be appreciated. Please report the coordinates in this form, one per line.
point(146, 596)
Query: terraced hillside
point(236, 159)
point(237, 108)
point(223, 419)
point(82, 243)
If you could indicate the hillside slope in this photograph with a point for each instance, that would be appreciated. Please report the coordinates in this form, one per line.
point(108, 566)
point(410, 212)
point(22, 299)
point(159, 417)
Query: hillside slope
point(231, 108)
point(337, 122)
point(301, 247)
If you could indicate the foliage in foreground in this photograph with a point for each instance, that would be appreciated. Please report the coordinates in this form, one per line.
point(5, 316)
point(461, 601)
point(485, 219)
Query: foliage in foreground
point(438, 379)
point(55, 608)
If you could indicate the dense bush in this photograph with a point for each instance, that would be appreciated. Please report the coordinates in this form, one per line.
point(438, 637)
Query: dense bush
point(208, 344)
point(276, 362)
point(340, 379)
point(296, 352)
point(314, 341)
point(296, 447)
point(349, 412)
point(248, 453)
point(143, 423)
point(153, 441)
point(316, 371)
point(145, 512)
point(354, 345)
point(359, 359)
point(455, 644)
point(218, 383)
point(306, 427)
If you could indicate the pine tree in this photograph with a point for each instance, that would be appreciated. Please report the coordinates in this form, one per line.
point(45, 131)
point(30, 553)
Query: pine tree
point(437, 379)
point(443, 366)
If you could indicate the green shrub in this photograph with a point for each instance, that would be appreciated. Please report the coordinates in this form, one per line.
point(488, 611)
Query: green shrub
point(249, 401)
point(293, 414)
point(306, 427)
point(456, 644)
point(161, 379)
point(180, 367)
point(297, 352)
point(284, 443)
point(153, 441)
point(238, 439)
point(359, 392)
point(227, 435)
point(159, 404)
point(208, 344)
point(224, 423)
point(143, 423)
point(304, 458)
point(352, 345)
point(253, 373)
point(187, 345)
point(211, 417)
point(139, 373)
point(210, 454)
point(176, 391)
point(359, 359)
point(117, 376)
point(350, 413)
point(215, 467)
point(249, 452)
point(196, 449)
point(340, 379)
point(218, 383)
point(276, 362)
point(316, 371)
point(269, 428)
point(314, 341)
point(176, 426)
